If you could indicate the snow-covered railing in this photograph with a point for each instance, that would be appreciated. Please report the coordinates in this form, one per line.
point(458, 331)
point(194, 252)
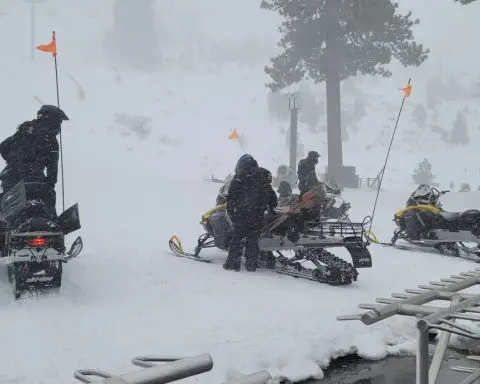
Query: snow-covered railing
point(463, 306)
point(173, 369)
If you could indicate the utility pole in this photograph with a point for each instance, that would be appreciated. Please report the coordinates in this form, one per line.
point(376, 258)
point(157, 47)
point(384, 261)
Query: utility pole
point(32, 25)
point(294, 105)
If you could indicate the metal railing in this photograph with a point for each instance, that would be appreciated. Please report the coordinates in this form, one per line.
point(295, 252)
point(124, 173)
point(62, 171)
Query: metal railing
point(172, 369)
point(412, 303)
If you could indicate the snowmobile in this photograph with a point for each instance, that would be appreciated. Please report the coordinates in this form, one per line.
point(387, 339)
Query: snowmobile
point(330, 207)
point(289, 232)
point(34, 237)
point(424, 223)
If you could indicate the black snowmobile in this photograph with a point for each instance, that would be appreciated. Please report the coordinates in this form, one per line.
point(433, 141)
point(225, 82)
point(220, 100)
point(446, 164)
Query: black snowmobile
point(289, 232)
point(423, 223)
point(34, 237)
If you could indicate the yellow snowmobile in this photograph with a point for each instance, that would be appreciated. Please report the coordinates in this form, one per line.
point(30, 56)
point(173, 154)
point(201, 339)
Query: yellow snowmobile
point(424, 223)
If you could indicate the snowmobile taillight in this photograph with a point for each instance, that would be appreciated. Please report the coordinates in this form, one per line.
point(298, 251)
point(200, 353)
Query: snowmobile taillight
point(37, 242)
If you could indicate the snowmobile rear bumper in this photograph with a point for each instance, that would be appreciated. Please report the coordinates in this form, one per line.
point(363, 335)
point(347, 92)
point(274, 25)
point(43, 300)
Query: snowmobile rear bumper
point(33, 266)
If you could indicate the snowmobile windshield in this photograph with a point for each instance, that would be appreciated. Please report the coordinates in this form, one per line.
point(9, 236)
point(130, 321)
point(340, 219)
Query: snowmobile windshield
point(425, 195)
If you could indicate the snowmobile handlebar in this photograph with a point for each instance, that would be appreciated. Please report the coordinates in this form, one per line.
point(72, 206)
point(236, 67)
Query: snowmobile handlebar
point(439, 193)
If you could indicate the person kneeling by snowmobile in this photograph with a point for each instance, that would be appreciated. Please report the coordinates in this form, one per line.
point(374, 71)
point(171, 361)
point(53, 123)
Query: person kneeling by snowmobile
point(286, 198)
point(247, 201)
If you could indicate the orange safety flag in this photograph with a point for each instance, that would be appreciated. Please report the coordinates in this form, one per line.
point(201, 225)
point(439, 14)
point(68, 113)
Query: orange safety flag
point(50, 47)
point(234, 135)
point(407, 90)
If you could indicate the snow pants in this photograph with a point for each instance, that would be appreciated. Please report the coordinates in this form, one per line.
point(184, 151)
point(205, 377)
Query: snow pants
point(244, 235)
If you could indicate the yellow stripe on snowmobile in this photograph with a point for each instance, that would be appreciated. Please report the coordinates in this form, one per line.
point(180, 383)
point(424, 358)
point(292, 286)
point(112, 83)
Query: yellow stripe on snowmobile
point(421, 208)
point(209, 213)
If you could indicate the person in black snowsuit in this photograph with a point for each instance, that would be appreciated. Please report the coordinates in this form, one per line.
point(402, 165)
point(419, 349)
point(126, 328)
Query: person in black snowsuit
point(247, 201)
point(270, 195)
point(33, 149)
point(307, 176)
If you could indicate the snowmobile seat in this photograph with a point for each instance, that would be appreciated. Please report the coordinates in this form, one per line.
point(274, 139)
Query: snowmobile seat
point(471, 216)
point(450, 216)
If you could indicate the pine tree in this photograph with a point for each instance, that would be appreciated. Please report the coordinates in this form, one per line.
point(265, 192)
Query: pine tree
point(459, 134)
point(332, 40)
point(423, 173)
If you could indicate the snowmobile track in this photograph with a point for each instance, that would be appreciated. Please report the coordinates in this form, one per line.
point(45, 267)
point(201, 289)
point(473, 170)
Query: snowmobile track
point(336, 272)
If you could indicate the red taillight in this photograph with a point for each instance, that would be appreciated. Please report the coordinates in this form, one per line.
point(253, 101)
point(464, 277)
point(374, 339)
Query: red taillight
point(37, 242)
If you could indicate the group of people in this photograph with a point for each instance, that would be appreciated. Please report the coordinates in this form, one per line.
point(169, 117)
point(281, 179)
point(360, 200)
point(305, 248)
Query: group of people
point(32, 155)
point(248, 195)
point(33, 150)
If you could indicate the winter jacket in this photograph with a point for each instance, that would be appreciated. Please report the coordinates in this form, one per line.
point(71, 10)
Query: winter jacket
point(247, 198)
point(28, 153)
point(307, 177)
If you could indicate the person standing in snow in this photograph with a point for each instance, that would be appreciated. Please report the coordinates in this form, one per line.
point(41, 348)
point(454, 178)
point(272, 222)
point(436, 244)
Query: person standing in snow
point(307, 176)
point(33, 149)
point(247, 201)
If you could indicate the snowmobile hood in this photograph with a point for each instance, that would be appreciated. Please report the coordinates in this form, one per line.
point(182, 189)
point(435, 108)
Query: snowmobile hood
point(210, 212)
point(424, 208)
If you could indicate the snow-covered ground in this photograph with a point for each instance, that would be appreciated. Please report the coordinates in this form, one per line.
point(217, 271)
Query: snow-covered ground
point(126, 295)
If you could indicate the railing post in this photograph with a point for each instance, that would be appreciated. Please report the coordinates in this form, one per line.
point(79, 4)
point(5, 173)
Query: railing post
point(422, 356)
point(440, 349)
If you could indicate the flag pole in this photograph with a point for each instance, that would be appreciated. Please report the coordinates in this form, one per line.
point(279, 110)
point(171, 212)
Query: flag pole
point(61, 141)
point(407, 91)
point(241, 145)
point(52, 48)
point(235, 136)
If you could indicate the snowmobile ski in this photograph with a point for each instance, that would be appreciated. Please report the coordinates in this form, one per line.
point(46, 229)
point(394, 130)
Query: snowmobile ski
point(446, 249)
point(175, 246)
point(438, 249)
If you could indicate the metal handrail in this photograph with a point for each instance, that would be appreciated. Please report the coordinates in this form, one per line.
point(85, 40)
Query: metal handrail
point(173, 370)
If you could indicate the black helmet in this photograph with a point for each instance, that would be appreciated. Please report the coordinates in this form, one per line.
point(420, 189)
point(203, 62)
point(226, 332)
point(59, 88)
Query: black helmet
point(51, 113)
point(245, 163)
point(314, 155)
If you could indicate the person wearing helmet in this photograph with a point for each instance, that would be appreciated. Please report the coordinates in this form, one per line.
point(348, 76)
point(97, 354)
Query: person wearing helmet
point(33, 149)
point(247, 201)
point(271, 199)
point(307, 176)
point(286, 198)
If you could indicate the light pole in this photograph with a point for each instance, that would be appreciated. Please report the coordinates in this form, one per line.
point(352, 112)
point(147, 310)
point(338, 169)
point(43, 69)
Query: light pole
point(32, 24)
point(294, 104)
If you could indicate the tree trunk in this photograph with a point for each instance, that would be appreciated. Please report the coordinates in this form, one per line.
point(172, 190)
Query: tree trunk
point(334, 129)
point(334, 119)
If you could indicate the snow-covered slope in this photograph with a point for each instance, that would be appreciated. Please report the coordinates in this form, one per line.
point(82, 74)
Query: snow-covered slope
point(136, 186)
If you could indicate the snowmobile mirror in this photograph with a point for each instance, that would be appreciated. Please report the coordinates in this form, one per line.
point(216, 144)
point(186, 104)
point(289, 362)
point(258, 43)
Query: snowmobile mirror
point(69, 220)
